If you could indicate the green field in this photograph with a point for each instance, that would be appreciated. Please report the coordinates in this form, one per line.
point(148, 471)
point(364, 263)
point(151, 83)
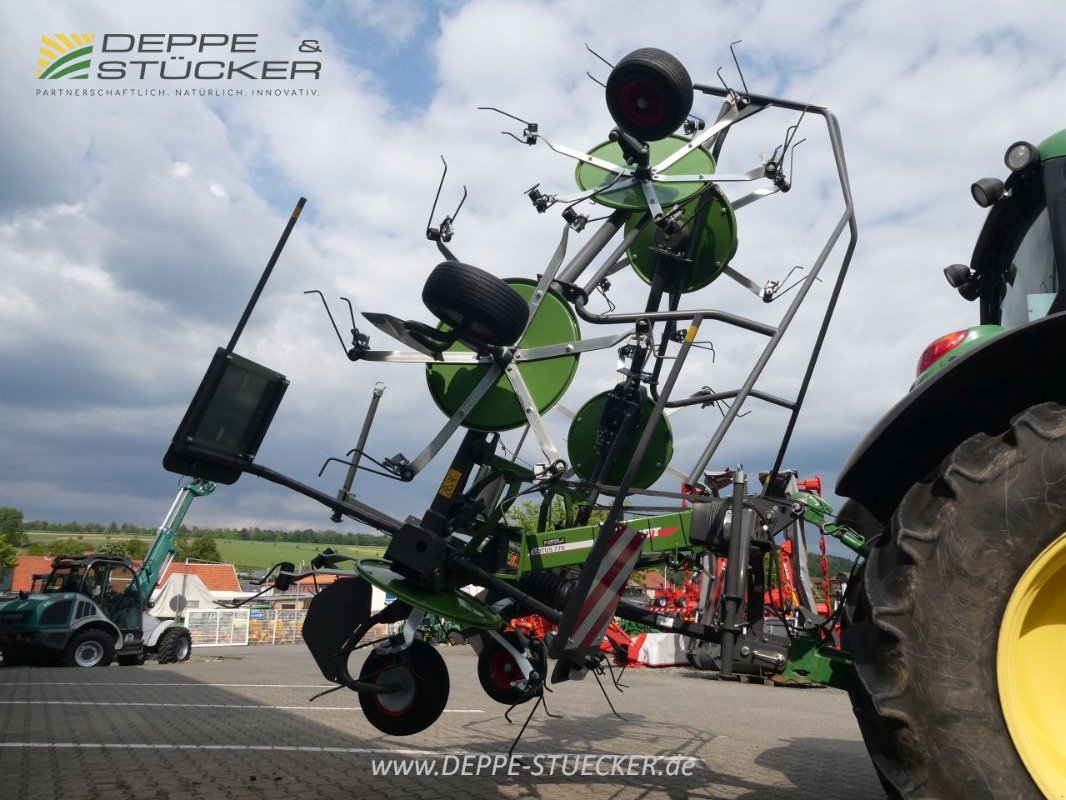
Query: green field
point(237, 551)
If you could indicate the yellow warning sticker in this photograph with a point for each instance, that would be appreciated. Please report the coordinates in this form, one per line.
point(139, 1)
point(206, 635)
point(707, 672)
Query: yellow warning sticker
point(451, 480)
point(690, 334)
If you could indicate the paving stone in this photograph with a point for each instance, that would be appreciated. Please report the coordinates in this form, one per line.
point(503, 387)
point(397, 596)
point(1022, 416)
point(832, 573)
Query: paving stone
point(235, 724)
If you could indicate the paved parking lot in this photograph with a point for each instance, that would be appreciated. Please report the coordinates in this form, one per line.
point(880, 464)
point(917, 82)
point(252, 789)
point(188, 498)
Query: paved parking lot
point(235, 723)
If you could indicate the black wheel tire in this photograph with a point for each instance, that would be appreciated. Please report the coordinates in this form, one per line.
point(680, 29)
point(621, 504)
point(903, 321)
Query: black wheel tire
point(484, 307)
point(424, 694)
point(649, 94)
point(175, 646)
point(496, 669)
point(923, 629)
point(92, 648)
point(131, 660)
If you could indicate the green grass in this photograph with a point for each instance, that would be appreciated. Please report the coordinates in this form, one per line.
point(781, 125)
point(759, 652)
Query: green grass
point(236, 551)
point(266, 554)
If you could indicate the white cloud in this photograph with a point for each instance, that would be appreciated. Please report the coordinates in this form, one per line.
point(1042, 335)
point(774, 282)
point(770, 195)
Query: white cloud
point(122, 271)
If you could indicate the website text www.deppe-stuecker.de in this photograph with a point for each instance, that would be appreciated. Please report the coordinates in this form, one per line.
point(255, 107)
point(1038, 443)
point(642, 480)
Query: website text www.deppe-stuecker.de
point(537, 765)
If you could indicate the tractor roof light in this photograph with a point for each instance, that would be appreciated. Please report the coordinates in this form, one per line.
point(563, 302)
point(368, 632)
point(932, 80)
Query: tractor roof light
point(957, 275)
point(939, 348)
point(970, 290)
point(1020, 155)
point(987, 191)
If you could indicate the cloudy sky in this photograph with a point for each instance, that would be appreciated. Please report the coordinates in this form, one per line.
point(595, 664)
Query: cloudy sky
point(132, 228)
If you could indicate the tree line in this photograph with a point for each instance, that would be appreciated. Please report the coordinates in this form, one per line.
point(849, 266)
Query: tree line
point(307, 536)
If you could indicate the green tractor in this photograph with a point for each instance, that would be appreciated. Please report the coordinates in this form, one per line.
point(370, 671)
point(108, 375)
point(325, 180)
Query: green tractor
point(92, 609)
point(958, 627)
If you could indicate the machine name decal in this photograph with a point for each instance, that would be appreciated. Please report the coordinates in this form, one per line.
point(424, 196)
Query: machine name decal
point(562, 546)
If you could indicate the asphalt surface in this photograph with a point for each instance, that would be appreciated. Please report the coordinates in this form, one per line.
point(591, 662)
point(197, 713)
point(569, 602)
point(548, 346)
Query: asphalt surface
point(236, 723)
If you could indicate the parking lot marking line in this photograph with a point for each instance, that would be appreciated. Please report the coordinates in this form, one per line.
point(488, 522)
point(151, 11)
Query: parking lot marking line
point(212, 685)
point(245, 747)
point(208, 705)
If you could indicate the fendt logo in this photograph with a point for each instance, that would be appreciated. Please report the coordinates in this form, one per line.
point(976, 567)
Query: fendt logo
point(65, 55)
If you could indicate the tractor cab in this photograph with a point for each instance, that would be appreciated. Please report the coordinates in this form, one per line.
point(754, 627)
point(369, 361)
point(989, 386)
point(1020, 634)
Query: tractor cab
point(109, 582)
point(1018, 263)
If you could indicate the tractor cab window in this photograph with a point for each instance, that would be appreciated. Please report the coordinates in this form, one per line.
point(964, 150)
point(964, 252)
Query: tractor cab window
point(1036, 283)
point(95, 580)
point(64, 579)
point(121, 599)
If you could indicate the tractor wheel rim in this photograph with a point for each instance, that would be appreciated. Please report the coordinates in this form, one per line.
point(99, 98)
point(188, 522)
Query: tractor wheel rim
point(503, 671)
point(181, 652)
point(642, 102)
point(1032, 636)
point(88, 654)
point(396, 703)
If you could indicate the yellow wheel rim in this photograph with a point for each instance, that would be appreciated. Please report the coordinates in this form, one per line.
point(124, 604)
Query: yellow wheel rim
point(1032, 649)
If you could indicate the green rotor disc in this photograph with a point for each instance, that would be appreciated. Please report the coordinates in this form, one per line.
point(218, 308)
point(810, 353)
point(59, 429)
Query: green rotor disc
point(581, 445)
point(716, 243)
point(696, 162)
point(547, 380)
point(455, 606)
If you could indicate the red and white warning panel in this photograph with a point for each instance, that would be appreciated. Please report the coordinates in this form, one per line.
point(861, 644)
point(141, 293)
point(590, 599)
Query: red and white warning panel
point(587, 627)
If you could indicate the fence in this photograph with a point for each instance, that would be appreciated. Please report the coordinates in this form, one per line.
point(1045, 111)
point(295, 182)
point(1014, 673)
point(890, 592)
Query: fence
point(240, 626)
point(277, 626)
point(211, 627)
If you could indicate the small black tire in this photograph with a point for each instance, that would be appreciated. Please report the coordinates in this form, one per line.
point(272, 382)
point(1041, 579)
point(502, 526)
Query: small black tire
point(423, 677)
point(923, 629)
point(91, 648)
point(135, 660)
point(497, 669)
point(483, 307)
point(649, 94)
point(175, 646)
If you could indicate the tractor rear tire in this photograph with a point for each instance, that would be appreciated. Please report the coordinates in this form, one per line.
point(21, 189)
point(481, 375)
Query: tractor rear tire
point(925, 628)
point(465, 297)
point(91, 648)
point(175, 646)
point(649, 94)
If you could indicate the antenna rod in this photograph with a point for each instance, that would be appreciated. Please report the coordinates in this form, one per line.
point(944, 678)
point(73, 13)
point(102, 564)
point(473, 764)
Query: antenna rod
point(266, 274)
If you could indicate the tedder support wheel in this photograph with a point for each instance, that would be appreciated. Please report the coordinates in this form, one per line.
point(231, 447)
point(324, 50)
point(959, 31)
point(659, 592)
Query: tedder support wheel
point(175, 645)
point(649, 94)
point(497, 670)
point(469, 299)
point(422, 678)
point(956, 632)
point(92, 648)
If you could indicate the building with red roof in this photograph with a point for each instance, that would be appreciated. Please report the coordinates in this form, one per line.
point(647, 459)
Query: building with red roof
point(216, 577)
point(25, 568)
